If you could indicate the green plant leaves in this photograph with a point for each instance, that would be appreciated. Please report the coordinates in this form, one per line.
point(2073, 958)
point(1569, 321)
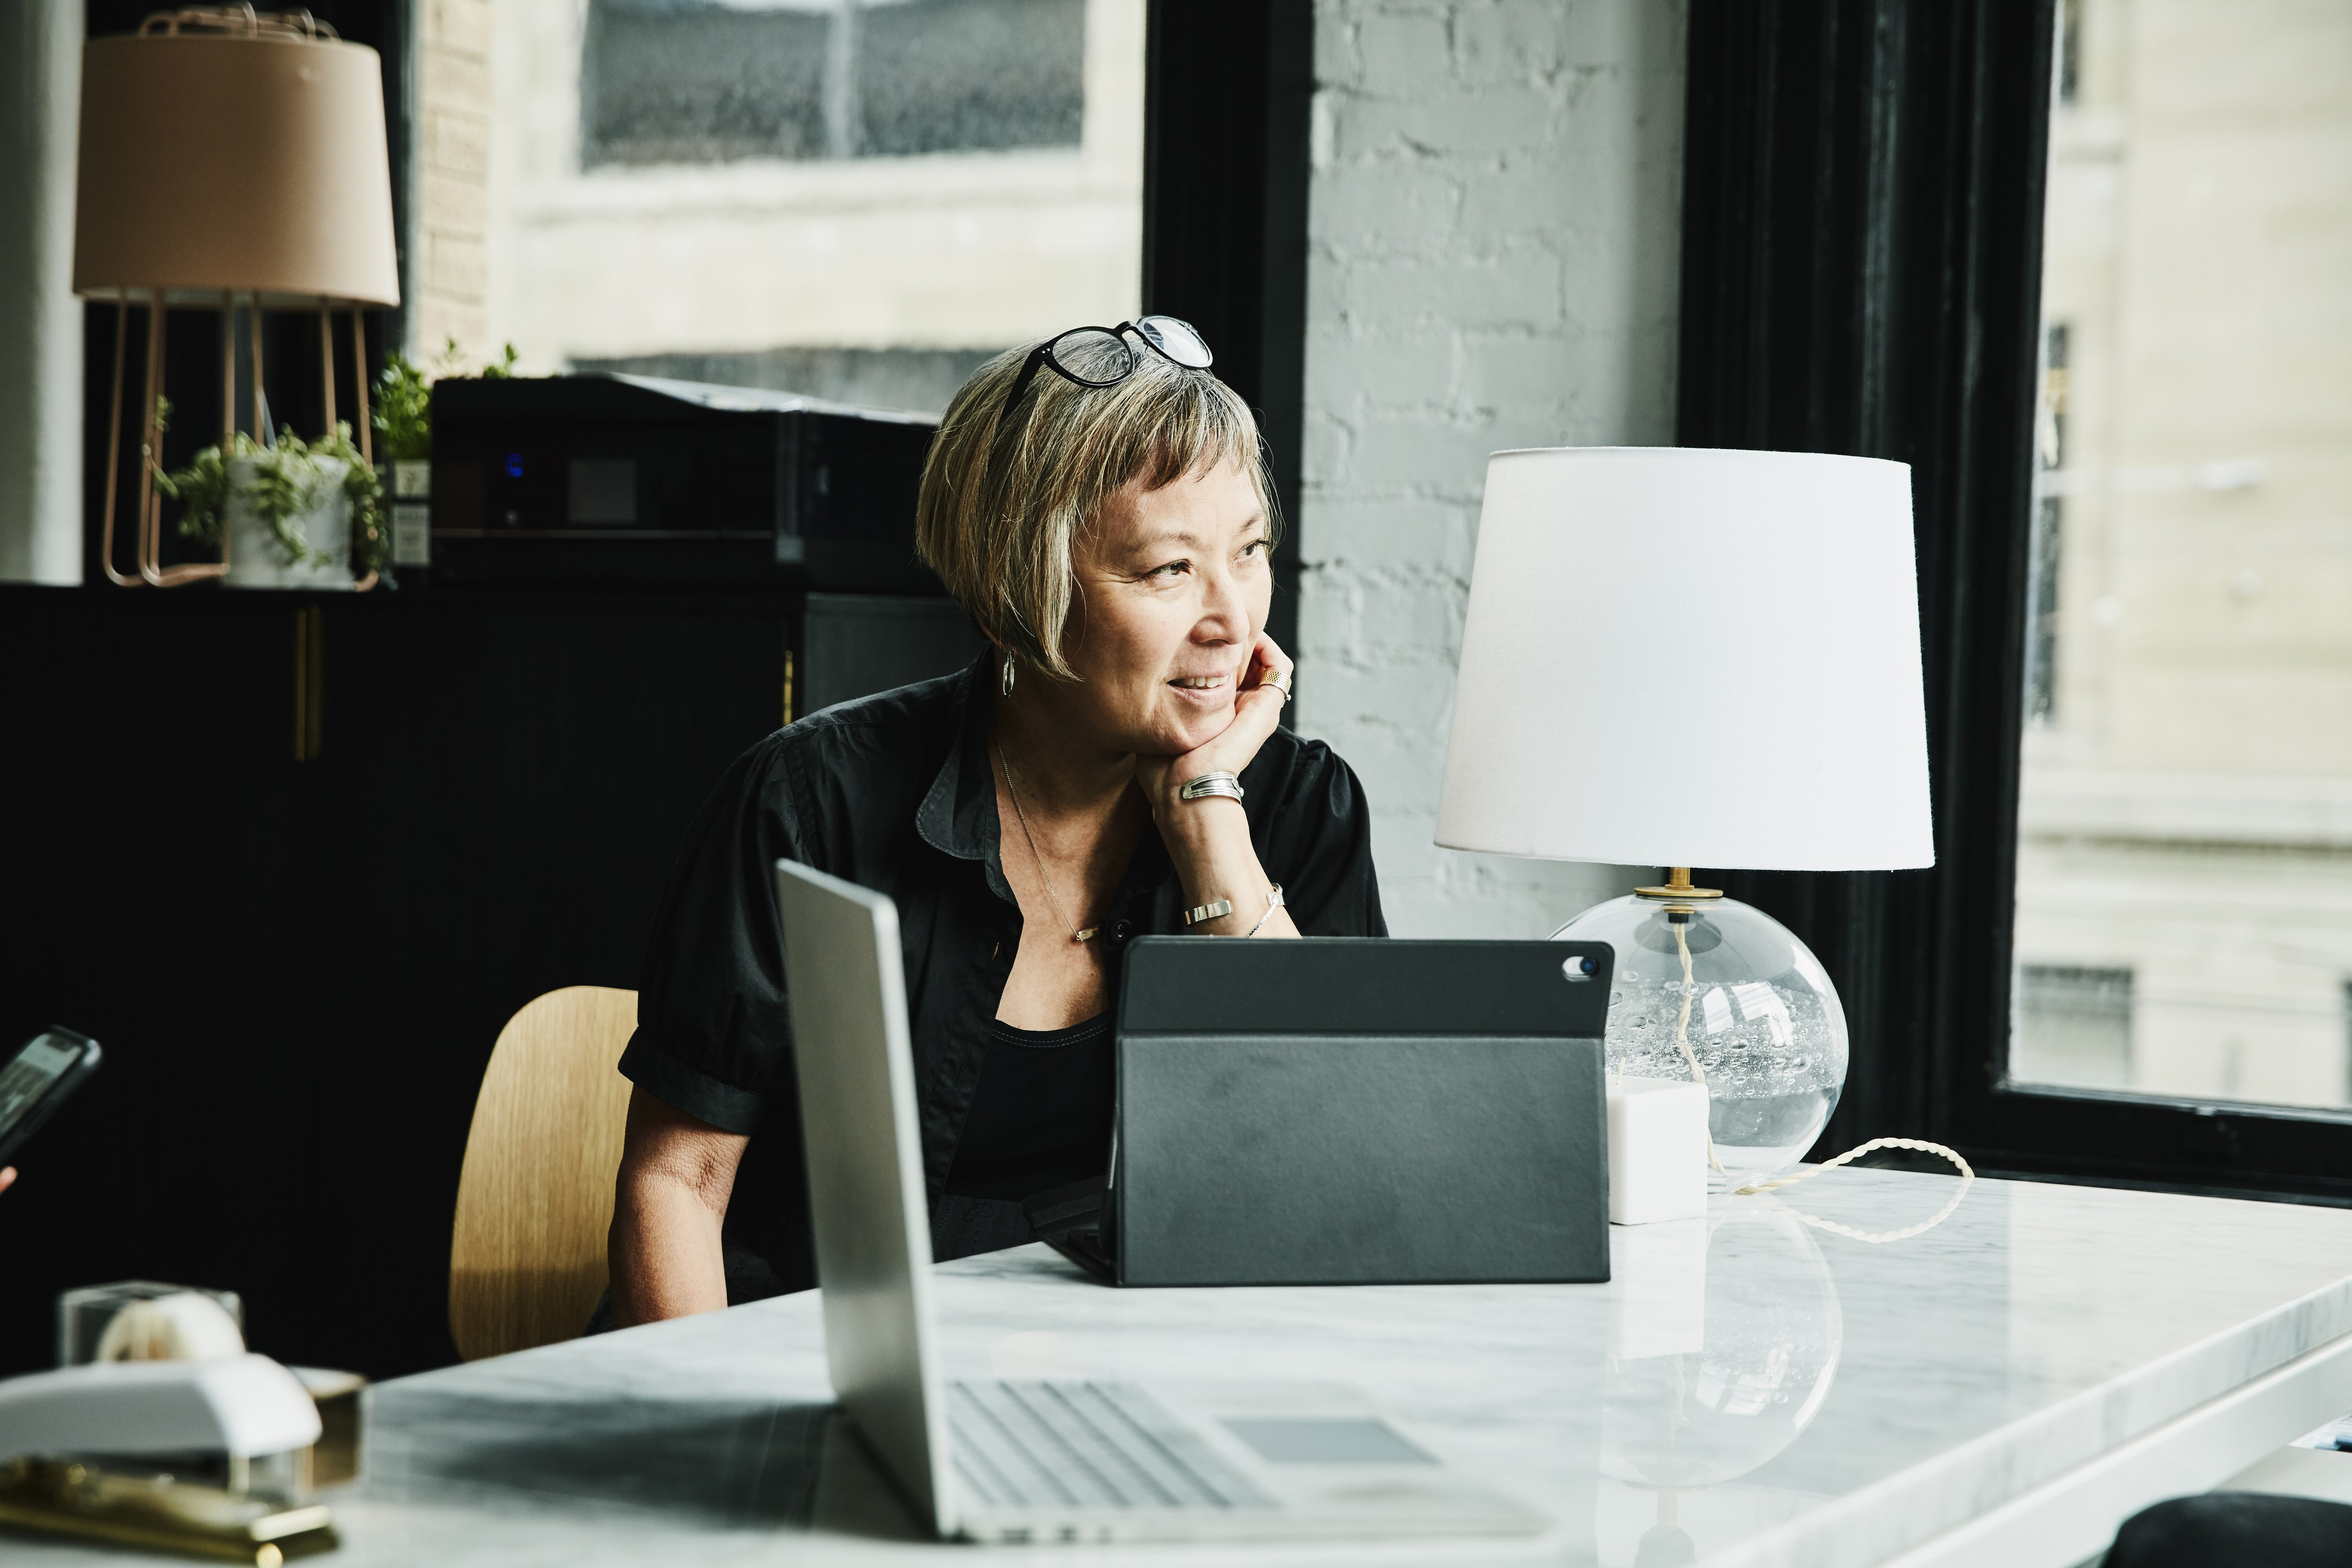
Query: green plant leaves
point(404, 396)
point(287, 481)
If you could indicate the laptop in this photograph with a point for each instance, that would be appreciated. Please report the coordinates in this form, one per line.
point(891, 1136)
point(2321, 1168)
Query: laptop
point(1341, 1111)
point(1041, 1461)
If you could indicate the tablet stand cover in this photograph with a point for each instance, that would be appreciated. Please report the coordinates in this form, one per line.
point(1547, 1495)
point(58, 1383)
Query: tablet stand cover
point(1336, 1110)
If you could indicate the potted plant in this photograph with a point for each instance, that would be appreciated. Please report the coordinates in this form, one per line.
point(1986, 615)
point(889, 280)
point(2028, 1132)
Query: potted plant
point(299, 514)
point(403, 427)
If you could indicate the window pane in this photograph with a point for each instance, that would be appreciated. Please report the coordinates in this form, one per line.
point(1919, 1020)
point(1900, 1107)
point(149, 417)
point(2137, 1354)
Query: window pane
point(670, 82)
point(2184, 888)
point(946, 75)
point(662, 84)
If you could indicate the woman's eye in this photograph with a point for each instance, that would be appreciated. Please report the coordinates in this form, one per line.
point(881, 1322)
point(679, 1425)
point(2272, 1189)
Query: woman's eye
point(1255, 547)
point(1168, 573)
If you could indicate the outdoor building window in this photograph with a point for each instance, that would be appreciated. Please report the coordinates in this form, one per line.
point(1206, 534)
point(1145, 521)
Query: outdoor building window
point(666, 81)
point(2073, 1026)
point(2184, 862)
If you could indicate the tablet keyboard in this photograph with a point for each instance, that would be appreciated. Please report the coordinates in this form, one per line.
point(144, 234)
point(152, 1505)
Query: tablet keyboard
point(1086, 1444)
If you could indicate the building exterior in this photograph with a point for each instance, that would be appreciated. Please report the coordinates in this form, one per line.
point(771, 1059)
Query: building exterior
point(2184, 897)
point(858, 199)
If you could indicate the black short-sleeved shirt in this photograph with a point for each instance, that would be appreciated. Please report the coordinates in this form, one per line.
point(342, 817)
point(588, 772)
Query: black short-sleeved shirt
point(895, 792)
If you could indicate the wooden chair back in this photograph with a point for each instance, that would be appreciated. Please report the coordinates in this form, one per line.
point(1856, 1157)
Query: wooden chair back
point(535, 1199)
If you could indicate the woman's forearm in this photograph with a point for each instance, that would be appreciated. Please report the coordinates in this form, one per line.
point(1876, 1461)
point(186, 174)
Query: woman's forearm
point(663, 1249)
point(1210, 843)
point(663, 1253)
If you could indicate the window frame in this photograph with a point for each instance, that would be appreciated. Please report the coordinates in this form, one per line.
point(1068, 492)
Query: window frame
point(1862, 274)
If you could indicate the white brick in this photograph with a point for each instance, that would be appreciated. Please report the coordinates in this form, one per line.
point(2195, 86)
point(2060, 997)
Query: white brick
point(1516, 42)
point(1420, 454)
point(1462, 290)
point(1347, 370)
point(1526, 194)
point(1516, 371)
point(1386, 206)
point(1328, 448)
point(1339, 61)
point(1494, 225)
point(1398, 52)
point(1484, 119)
point(1407, 529)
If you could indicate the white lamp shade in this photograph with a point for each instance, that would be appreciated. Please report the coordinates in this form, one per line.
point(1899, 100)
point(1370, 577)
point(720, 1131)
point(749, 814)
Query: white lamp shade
point(1691, 657)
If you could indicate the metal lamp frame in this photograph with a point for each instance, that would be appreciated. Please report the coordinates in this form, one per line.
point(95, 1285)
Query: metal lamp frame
point(149, 569)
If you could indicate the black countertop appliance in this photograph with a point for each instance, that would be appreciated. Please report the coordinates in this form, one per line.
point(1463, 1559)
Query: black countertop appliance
point(612, 481)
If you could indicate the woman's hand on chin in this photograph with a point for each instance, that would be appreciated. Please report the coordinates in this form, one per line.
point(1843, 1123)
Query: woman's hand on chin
point(1257, 708)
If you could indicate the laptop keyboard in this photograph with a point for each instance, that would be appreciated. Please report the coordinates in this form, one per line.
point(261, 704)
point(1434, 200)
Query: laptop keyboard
point(1086, 1444)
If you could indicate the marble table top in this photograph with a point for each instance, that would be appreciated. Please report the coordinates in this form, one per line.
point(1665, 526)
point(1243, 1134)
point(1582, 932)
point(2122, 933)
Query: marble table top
point(1749, 1389)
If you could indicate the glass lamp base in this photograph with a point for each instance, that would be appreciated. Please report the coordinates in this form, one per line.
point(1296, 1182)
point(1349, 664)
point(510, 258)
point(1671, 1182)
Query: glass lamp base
point(1713, 988)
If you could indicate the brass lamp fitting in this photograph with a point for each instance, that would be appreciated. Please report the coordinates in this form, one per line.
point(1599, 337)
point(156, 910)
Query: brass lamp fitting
point(1678, 885)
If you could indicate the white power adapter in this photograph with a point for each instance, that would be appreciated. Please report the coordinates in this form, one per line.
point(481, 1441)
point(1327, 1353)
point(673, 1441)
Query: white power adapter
point(1657, 1150)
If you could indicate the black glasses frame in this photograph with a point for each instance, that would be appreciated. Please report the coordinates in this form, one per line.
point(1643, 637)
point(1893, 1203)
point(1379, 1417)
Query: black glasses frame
point(1146, 330)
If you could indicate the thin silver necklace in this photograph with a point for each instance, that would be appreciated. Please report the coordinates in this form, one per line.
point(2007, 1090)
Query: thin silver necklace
point(1023, 817)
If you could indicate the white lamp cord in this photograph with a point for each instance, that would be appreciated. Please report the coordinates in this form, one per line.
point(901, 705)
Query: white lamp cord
point(1682, 1044)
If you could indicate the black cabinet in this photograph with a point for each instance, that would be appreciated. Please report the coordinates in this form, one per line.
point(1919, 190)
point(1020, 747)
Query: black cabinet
point(298, 968)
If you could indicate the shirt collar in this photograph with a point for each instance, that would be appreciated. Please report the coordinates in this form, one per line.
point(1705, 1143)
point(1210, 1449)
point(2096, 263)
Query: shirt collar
point(958, 817)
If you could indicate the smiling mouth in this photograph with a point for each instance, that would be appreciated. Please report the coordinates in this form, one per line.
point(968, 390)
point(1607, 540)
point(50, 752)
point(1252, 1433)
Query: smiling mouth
point(1199, 682)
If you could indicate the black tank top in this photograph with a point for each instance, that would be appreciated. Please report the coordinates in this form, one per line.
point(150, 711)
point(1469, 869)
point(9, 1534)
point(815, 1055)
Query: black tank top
point(1040, 1116)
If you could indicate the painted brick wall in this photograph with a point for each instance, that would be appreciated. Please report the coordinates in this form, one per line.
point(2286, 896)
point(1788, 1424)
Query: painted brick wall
point(1493, 226)
point(448, 281)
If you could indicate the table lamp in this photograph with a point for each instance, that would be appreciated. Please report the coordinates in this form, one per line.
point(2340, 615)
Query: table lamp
point(1688, 657)
point(226, 152)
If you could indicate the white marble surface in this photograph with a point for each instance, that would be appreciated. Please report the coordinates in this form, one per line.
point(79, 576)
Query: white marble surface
point(1781, 1394)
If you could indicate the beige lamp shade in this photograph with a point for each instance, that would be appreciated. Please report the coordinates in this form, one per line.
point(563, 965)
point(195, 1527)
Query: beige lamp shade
point(1684, 657)
point(252, 164)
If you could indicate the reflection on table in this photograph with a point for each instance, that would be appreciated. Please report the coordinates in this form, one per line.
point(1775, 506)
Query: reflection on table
point(1723, 1347)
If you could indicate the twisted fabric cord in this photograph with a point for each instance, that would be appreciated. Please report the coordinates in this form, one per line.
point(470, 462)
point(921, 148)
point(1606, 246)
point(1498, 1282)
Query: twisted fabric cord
point(1682, 1042)
point(1968, 1178)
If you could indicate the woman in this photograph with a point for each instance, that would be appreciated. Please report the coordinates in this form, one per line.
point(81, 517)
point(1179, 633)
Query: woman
point(1111, 766)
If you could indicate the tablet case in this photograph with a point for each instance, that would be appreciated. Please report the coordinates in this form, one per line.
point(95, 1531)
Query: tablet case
point(1335, 1111)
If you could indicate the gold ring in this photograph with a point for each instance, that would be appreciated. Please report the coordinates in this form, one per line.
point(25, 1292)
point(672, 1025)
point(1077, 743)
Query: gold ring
point(1280, 681)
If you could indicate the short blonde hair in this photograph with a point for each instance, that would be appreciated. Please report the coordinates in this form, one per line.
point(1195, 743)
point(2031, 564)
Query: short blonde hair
point(1006, 493)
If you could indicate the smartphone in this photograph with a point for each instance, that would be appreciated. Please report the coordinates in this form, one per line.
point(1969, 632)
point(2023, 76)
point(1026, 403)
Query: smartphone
point(37, 1081)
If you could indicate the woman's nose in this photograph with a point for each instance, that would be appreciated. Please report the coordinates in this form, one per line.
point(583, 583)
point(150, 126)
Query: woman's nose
point(1224, 609)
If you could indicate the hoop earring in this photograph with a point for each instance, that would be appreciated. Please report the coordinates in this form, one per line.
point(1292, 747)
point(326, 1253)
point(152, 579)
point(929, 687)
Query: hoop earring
point(1004, 677)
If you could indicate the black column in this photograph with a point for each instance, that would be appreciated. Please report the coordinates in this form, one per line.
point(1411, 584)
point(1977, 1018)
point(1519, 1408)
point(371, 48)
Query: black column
point(1228, 86)
point(1862, 275)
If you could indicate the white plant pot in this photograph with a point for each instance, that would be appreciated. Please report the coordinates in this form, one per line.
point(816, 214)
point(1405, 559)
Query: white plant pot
point(255, 558)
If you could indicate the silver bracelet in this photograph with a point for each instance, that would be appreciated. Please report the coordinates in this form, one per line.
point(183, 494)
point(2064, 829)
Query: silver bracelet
point(1219, 783)
point(1210, 911)
point(1274, 902)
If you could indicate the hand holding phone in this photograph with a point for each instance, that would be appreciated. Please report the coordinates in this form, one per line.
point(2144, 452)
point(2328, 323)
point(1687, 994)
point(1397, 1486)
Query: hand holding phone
point(41, 1078)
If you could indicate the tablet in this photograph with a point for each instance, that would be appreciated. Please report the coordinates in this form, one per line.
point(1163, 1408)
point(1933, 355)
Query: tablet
point(1347, 1110)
